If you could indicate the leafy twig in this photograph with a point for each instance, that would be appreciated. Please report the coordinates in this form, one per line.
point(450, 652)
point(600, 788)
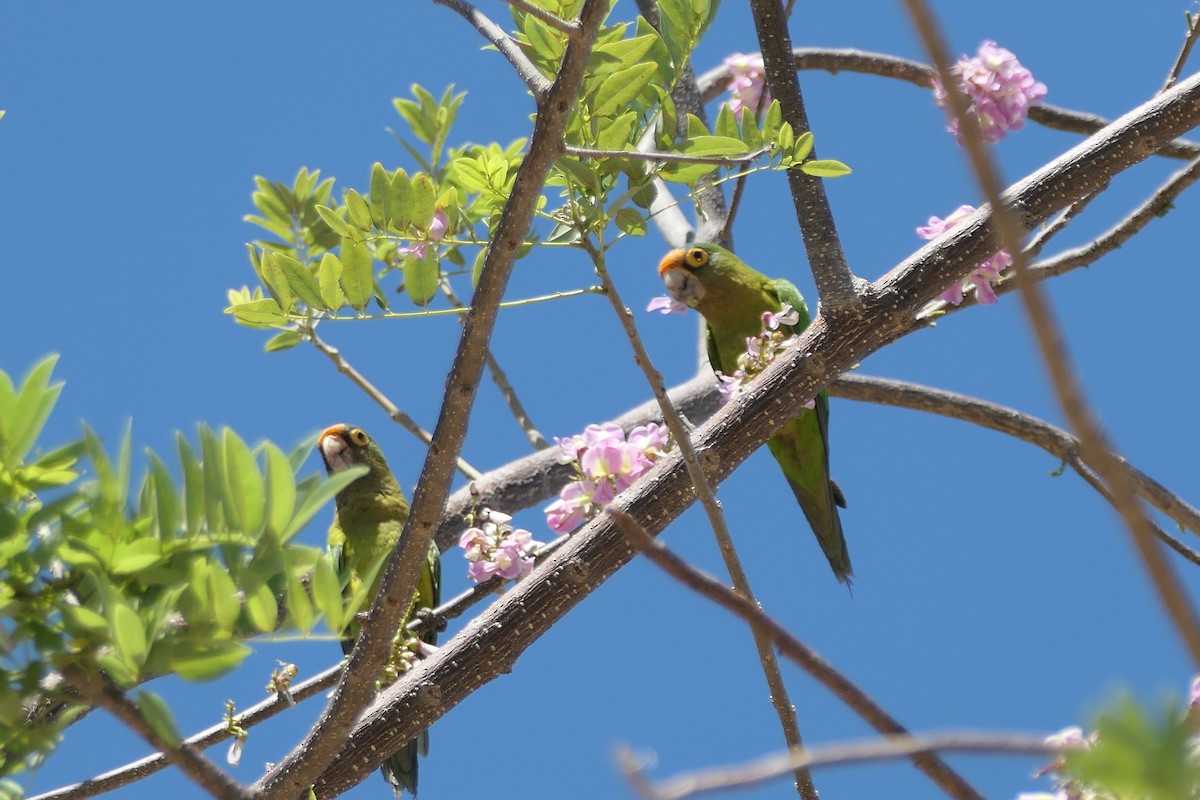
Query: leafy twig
point(792, 649)
point(100, 691)
point(382, 400)
point(676, 158)
point(1092, 440)
point(553, 20)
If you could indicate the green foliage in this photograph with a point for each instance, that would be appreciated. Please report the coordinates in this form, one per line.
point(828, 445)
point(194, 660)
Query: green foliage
point(1139, 754)
point(141, 578)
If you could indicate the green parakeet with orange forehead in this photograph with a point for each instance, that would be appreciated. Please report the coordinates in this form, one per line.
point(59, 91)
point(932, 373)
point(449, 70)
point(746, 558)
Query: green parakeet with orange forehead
point(732, 298)
point(370, 516)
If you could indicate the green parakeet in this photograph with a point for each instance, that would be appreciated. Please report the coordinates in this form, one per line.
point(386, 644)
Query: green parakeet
point(732, 298)
point(370, 515)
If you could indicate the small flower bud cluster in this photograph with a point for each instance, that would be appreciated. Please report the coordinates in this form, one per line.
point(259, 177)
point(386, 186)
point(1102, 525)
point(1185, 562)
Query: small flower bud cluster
point(607, 463)
point(494, 547)
point(1001, 92)
point(761, 351)
point(983, 276)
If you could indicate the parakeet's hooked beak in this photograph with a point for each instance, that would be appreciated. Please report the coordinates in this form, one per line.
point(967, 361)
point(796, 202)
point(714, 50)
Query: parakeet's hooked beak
point(334, 449)
point(680, 282)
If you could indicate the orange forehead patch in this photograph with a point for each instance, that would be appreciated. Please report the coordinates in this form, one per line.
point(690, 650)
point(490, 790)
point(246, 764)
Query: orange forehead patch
point(672, 260)
point(333, 430)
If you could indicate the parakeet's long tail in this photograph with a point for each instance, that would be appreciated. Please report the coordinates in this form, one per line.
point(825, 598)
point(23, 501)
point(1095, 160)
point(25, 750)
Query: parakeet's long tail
point(400, 769)
point(820, 504)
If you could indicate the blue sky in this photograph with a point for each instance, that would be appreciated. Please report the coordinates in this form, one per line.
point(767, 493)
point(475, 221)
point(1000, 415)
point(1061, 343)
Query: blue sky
point(989, 595)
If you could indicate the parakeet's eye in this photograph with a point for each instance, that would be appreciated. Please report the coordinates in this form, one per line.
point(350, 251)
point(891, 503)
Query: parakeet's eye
point(696, 257)
point(358, 437)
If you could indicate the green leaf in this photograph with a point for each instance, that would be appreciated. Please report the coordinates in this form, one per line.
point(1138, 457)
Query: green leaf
point(244, 497)
point(130, 558)
point(326, 592)
point(276, 280)
point(193, 485)
point(424, 199)
point(622, 88)
point(282, 341)
point(129, 635)
point(803, 146)
point(329, 278)
point(299, 607)
point(222, 595)
point(334, 220)
point(401, 199)
point(261, 606)
point(825, 168)
point(631, 222)
point(381, 211)
point(301, 281)
point(158, 715)
point(166, 500)
point(24, 420)
point(358, 282)
point(280, 489)
point(206, 662)
point(325, 491)
point(709, 146)
point(616, 133)
point(751, 135)
point(621, 53)
point(772, 122)
point(264, 313)
point(84, 621)
point(357, 208)
point(726, 123)
point(786, 139)
point(421, 276)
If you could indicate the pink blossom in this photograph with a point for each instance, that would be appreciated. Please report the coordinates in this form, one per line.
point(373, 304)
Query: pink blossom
point(495, 548)
point(784, 316)
point(437, 231)
point(983, 276)
point(666, 304)
point(746, 80)
point(652, 440)
point(1000, 90)
point(729, 386)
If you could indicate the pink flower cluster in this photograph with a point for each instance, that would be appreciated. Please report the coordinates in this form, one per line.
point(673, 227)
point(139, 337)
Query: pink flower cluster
point(494, 547)
point(437, 230)
point(760, 351)
point(746, 78)
point(1001, 91)
point(607, 463)
point(983, 276)
point(665, 304)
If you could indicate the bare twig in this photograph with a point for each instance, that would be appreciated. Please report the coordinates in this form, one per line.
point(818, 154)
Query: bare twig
point(792, 649)
point(535, 80)
point(382, 400)
point(914, 72)
point(716, 518)
point(1189, 41)
point(890, 748)
point(1155, 206)
point(826, 259)
point(675, 158)
point(515, 406)
point(100, 691)
point(1092, 440)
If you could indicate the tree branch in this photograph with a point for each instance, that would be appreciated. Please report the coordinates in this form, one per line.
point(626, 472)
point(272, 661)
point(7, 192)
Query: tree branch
point(886, 66)
point(792, 649)
point(826, 259)
point(526, 71)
